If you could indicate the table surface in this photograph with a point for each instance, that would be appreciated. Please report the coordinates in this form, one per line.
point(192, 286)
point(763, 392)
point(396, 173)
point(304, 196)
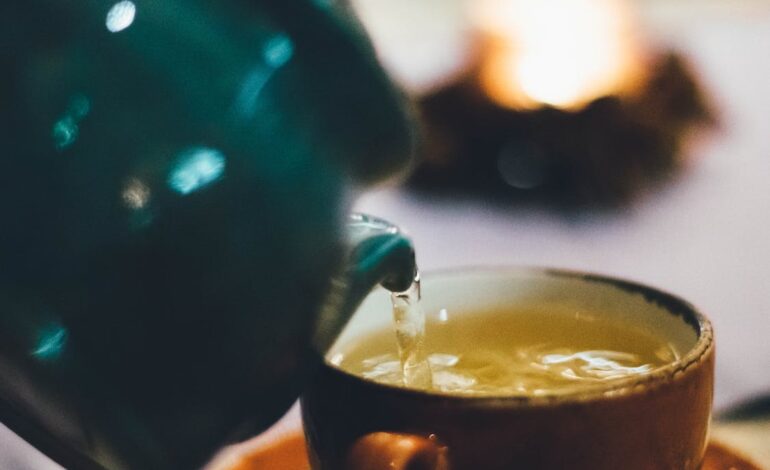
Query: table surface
point(706, 238)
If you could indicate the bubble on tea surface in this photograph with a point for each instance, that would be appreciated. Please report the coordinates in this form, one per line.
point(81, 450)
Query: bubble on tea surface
point(385, 368)
point(586, 365)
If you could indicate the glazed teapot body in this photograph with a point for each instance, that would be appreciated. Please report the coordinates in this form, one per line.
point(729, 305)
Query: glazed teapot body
point(176, 178)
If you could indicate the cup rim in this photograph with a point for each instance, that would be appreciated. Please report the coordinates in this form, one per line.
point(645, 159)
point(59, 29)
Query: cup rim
point(658, 377)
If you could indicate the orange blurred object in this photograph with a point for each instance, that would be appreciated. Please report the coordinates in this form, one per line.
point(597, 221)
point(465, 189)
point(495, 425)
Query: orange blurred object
point(392, 451)
point(561, 53)
point(289, 453)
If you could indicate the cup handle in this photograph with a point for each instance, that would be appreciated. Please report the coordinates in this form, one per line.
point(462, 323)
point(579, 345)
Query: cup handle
point(396, 451)
point(379, 253)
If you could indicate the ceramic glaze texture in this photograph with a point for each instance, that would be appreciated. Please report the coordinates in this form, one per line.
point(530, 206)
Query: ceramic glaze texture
point(656, 421)
point(175, 180)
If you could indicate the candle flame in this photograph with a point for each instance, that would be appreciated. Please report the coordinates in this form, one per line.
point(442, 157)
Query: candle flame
point(562, 53)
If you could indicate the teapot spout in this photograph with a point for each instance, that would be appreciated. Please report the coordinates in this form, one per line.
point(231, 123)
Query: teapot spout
point(380, 254)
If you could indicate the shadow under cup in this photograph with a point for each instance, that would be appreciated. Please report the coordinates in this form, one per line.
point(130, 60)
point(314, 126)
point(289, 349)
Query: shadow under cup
point(658, 420)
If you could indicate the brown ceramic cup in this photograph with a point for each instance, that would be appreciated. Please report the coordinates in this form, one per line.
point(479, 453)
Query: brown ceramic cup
point(657, 421)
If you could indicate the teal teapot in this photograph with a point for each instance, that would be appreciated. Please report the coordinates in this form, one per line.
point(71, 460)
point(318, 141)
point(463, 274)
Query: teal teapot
point(175, 249)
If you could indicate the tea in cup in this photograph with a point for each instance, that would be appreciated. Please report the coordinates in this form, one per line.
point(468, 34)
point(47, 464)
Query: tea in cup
point(530, 368)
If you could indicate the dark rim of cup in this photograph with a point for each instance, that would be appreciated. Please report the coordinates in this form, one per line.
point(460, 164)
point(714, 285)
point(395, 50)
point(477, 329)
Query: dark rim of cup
point(615, 388)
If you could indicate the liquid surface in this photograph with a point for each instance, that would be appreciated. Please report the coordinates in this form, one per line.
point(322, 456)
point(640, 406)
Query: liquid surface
point(538, 351)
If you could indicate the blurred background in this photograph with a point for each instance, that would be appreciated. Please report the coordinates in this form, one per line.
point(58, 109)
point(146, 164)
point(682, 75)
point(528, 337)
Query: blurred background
point(625, 137)
point(629, 138)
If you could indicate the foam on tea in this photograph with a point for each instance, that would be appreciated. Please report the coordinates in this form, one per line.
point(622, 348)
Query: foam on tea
point(538, 350)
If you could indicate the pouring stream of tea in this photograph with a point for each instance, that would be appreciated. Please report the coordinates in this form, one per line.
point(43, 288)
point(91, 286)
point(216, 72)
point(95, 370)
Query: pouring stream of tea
point(409, 324)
